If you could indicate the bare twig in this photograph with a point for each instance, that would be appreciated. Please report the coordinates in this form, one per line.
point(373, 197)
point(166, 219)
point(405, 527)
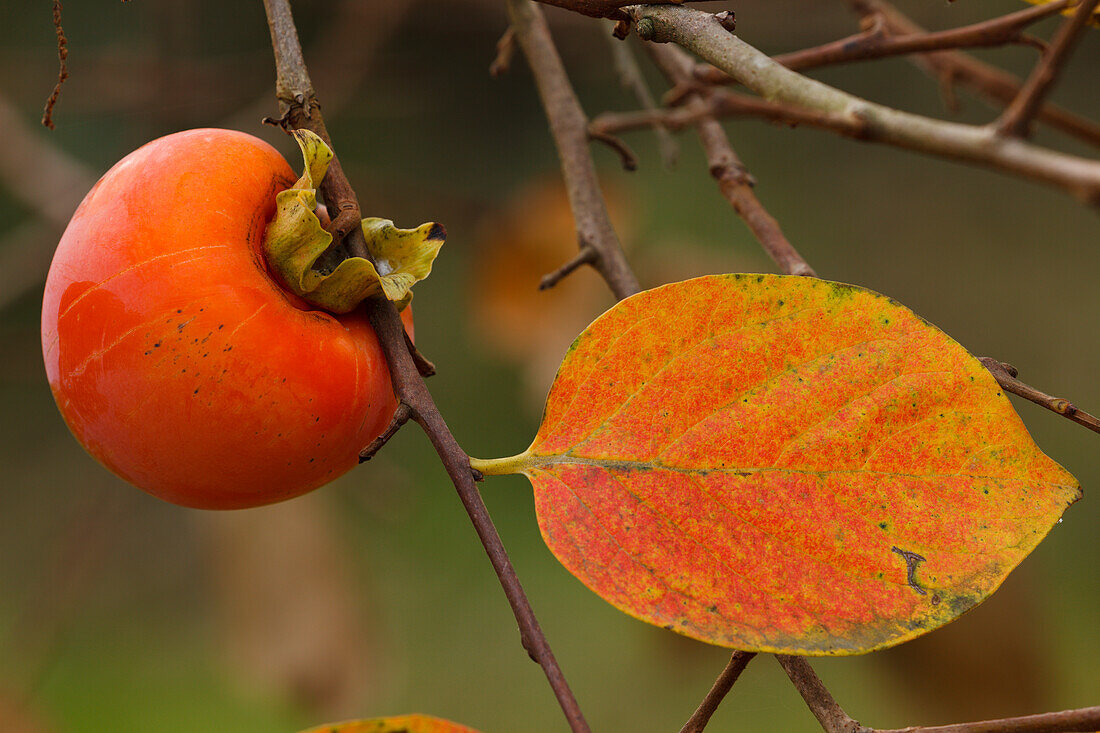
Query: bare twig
point(1006, 377)
point(821, 703)
point(605, 8)
point(423, 366)
point(586, 256)
point(700, 33)
point(1082, 720)
point(956, 68)
point(295, 92)
point(627, 157)
point(63, 70)
point(726, 168)
point(569, 127)
point(702, 715)
point(506, 49)
point(878, 42)
point(630, 76)
point(1017, 118)
point(400, 416)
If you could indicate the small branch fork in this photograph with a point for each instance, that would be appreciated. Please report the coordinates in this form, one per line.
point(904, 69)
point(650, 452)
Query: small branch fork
point(1016, 120)
point(301, 110)
point(953, 67)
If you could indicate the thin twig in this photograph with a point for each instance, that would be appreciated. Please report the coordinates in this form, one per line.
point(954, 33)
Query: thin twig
point(295, 92)
point(569, 127)
point(506, 49)
point(1016, 120)
point(726, 168)
point(1006, 377)
point(702, 715)
point(627, 158)
point(821, 703)
point(700, 33)
point(877, 42)
point(605, 8)
point(586, 256)
point(423, 366)
point(63, 70)
point(630, 76)
point(957, 68)
point(1082, 720)
point(400, 416)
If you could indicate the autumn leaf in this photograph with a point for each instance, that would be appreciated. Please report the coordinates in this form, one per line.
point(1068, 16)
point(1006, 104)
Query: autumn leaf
point(1095, 20)
point(401, 724)
point(784, 464)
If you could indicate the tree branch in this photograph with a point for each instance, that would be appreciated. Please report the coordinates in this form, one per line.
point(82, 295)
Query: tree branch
point(878, 42)
point(954, 67)
point(569, 127)
point(295, 91)
point(1082, 720)
point(1006, 377)
point(702, 715)
point(605, 8)
point(701, 34)
point(1016, 120)
point(821, 703)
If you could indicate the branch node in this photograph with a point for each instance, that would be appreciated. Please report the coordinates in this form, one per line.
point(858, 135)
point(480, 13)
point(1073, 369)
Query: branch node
point(727, 19)
point(400, 417)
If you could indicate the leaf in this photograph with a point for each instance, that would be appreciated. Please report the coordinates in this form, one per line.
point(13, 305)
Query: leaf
point(295, 241)
point(1095, 20)
point(402, 724)
point(784, 464)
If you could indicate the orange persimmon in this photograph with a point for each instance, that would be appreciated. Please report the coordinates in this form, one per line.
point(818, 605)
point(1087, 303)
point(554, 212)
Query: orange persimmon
point(175, 357)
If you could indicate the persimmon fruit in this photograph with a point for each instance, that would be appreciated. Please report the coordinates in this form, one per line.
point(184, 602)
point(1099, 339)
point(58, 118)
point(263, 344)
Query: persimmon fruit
point(175, 357)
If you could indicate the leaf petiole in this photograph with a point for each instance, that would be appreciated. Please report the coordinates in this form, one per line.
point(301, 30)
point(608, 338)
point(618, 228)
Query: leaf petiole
point(502, 466)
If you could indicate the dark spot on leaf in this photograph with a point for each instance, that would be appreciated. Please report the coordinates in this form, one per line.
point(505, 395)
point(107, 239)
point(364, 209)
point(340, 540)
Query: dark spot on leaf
point(436, 233)
point(935, 599)
point(912, 562)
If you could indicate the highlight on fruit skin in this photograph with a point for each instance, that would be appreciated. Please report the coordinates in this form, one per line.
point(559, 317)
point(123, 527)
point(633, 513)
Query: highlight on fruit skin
point(173, 354)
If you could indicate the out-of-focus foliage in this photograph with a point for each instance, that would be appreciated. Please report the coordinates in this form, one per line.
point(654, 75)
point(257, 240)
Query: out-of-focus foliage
point(119, 612)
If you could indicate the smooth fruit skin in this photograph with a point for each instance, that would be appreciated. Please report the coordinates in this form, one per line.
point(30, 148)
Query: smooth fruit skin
point(176, 359)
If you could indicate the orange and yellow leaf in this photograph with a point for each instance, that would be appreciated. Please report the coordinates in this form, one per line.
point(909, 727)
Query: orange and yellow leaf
point(399, 724)
point(784, 464)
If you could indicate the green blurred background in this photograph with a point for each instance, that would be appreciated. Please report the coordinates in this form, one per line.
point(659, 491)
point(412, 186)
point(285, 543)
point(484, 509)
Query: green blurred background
point(372, 596)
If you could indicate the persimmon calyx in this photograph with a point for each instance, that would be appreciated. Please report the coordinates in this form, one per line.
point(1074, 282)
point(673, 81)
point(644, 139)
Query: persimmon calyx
point(295, 240)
